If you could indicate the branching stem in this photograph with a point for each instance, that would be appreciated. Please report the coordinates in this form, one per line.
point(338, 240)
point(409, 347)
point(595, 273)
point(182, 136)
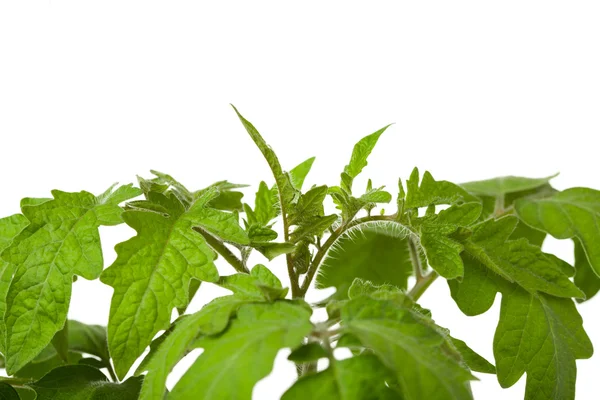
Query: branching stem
point(220, 248)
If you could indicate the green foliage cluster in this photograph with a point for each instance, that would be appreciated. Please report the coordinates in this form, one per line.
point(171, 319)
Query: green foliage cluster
point(483, 237)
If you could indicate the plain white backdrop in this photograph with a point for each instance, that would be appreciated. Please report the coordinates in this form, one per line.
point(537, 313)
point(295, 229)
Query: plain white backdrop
point(97, 92)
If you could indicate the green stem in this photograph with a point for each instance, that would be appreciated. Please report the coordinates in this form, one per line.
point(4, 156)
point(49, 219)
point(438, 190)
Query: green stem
point(220, 248)
point(422, 285)
point(415, 259)
point(316, 262)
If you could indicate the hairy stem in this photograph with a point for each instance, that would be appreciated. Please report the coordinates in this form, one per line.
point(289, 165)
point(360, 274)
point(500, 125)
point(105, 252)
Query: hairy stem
point(316, 262)
point(415, 259)
point(422, 285)
point(220, 248)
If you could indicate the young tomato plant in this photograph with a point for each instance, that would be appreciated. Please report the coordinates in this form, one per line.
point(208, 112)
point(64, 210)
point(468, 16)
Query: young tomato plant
point(483, 237)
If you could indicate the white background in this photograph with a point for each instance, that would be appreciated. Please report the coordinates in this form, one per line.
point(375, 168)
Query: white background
point(97, 92)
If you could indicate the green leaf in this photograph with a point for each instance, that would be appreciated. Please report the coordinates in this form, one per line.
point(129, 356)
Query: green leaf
point(376, 254)
point(585, 278)
point(501, 186)
point(287, 192)
point(299, 172)
point(517, 260)
point(61, 241)
point(60, 341)
point(357, 378)
point(409, 344)
point(84, 382)
point(7, 392)
point(313, 227)
point(38, 368)
point(260, 285)
point(432, 192)
point(308, 353)
point(233, 357)
point(152, 274)
point(211, 319)
point(441, 250)
point(474, 361)
point(10, 227)
point(227, 199)
point(538, 334)
point(542, 336)
point(272, 250)
point(358, 160)
point(266, 207)
point(573, 213)
point(309, 205)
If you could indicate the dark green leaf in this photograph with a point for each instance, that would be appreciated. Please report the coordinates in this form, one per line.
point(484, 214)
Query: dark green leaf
point(84, 382)
point(376, 254)
point(308, 353)
point(357, 378)
point(585, 278)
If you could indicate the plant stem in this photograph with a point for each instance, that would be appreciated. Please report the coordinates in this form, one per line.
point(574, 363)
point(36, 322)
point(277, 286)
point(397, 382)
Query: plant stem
point(220, 248)
point(422, 284)
point(415, 259)
point(316, 262)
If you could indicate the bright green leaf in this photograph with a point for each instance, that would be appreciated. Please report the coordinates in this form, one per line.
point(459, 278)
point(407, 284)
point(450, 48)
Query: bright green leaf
point(504, 185)
point(585, 278)
point(152, 273)
point(61, 241)
point(572, 213)
point(211, 319)
point(409, 344)
point(433, 192)
point(233, 356)
point(299, 172)
point(358, 160)
point(517, 260)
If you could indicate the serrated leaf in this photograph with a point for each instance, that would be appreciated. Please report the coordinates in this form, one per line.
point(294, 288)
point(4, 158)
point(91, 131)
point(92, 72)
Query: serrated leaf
point(538, 334)
point(260, 285)
point(409, 344)
point(232, 356)
point(308, 353)
point(314, 226)
point(61, 241)
point(358, 160)
point(286, 190)
point(542, 336)
point(585, 278)
point(299, 172)
point(441, 250)
point(517, 260)
point(265, 206)
point(432, 192)
point(10, 227)
point(504, 185)
point(573, 213)
point(473, 360)
point(211, 319)
point(357, 378)
point(309, 205)
point(377, 254)
point(272, 250)
point(376, 196)
point(84, 382)
point(227, 198)
point(152, 273)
